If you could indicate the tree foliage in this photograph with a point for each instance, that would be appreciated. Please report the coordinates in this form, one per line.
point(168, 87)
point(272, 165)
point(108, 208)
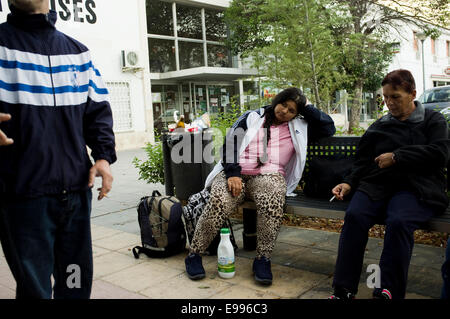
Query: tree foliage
point(327, 44)
point(290, 42)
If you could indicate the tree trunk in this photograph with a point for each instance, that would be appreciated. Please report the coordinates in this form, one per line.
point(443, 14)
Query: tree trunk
point(355, 109)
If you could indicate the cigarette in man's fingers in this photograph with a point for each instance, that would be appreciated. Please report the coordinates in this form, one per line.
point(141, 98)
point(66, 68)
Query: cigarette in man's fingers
point(332, 198)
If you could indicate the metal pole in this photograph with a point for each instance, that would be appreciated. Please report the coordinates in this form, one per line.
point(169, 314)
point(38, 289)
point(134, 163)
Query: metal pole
point(423, 66)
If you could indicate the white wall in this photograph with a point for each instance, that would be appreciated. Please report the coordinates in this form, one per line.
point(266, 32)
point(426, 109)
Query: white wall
point(106, 27)
point(411, 60)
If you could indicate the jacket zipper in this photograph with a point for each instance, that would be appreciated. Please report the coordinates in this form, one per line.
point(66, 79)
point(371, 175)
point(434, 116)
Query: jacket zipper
point(51, 78)
point(56, 124)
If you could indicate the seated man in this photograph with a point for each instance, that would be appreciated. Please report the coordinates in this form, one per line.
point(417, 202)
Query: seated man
point(398, 178)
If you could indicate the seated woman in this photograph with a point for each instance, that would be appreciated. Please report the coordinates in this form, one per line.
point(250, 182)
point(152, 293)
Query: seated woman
point(263, 159)
point(398, 179)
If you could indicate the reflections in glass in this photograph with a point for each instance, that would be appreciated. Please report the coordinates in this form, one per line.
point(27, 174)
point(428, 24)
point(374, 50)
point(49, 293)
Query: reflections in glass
point(165, 100)
point(216, 29)
point(162, 55)
point(218, 56)
point(191, 54)
point(159, 17)
point(189, 22)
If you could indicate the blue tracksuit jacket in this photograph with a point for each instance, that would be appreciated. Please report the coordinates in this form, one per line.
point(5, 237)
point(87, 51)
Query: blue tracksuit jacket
point(58, 104)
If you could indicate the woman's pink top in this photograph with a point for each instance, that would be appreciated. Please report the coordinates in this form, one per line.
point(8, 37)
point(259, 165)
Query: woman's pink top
point(279, 150)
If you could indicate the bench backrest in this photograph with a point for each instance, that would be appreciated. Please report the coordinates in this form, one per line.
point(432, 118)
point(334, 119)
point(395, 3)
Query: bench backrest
point(328, 160)
point(334, 154)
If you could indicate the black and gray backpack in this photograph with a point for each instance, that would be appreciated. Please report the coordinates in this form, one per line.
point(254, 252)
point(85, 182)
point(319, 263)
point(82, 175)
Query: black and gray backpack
point(161, 225)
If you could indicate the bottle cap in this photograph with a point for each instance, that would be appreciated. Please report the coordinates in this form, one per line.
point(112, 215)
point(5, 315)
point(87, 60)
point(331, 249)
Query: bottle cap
point(224, 231)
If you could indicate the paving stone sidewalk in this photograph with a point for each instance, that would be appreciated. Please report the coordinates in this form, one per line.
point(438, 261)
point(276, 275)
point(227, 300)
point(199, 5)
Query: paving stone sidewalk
point(302, 262)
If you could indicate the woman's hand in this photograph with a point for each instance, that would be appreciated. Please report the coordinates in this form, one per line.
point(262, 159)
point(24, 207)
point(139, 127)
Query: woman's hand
point(341, 190)
point(234, 185)
point(385, 160)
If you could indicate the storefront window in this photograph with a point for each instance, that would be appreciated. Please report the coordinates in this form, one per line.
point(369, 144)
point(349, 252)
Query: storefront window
point(218, 56)
point(189, 22)
point(162, 55)
point(159, 18)
point(216, 29)
point(220, 99)
point(186, 101)
point(199, 95)
point(165, 101)
point(190, 54)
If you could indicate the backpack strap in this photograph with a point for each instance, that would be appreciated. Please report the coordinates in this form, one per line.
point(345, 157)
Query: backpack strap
point(144, 209)
point(136, 251)
point(185, 230)
point(156, 193)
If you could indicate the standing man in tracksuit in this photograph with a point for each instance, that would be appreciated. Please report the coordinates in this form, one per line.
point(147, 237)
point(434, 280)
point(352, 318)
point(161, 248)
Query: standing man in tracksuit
point(53, 103)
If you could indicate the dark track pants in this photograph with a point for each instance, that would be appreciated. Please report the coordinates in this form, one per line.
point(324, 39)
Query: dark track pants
point(402, 214)
point(47, 236)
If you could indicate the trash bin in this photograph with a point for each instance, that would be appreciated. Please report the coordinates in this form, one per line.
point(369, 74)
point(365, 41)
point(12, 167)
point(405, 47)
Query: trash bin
point(188, 160)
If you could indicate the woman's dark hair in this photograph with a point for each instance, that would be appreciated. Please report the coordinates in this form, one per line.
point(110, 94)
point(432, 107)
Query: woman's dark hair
point(400, 78)
point(290, 94)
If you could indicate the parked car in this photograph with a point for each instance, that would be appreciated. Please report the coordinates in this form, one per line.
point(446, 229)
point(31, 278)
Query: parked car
point(437, 98)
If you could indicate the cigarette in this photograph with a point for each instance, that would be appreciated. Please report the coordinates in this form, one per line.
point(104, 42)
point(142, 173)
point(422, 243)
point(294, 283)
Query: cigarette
point(104, 195)
point(332, 198)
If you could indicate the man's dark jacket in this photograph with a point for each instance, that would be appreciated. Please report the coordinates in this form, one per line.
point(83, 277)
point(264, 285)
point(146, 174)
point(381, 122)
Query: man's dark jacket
point(421, 151)
point(58, 103)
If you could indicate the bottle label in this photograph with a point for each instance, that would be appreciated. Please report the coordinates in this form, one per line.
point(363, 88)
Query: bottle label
point(225, 264)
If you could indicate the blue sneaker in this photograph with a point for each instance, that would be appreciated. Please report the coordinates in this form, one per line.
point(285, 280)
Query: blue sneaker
point(194, 267)
point(262, 270)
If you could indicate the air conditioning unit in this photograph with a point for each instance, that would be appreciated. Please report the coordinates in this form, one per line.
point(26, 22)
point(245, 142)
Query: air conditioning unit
point(130, 59)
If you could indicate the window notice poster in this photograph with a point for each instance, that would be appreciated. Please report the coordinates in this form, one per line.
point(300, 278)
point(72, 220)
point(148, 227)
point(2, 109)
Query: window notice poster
point(200, 91)
point(225, 99)
point(156, 97)
point(214, 101)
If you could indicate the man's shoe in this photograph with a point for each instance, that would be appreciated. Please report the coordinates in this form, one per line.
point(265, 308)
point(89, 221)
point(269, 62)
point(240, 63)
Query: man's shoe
point(194, 267)
point(262, 270)
point(379, 293)
point(343, 294)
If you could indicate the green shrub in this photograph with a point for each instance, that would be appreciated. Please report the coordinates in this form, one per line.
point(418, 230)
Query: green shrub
point(152, 170)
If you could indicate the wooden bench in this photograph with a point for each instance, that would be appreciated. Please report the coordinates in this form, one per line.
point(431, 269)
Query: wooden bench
point(317, 207)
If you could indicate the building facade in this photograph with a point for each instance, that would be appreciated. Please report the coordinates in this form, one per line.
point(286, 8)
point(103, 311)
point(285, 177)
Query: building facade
point(191, 70)
point(412, 47)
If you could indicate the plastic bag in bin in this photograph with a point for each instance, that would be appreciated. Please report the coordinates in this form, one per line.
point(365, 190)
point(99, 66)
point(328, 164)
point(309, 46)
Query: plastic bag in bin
point(203, 122)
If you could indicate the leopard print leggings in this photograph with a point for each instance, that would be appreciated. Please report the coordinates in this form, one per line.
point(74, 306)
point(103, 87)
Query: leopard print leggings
point(268, 191)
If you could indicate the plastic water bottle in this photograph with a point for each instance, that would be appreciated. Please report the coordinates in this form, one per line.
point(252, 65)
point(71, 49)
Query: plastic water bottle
point(225, 255)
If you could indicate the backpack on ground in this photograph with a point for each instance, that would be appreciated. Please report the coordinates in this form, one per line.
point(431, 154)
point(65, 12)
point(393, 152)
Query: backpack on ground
point(161, 225)
point(191, 214)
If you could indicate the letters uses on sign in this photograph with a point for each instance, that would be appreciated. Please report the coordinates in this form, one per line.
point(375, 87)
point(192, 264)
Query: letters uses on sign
point(77, 10)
